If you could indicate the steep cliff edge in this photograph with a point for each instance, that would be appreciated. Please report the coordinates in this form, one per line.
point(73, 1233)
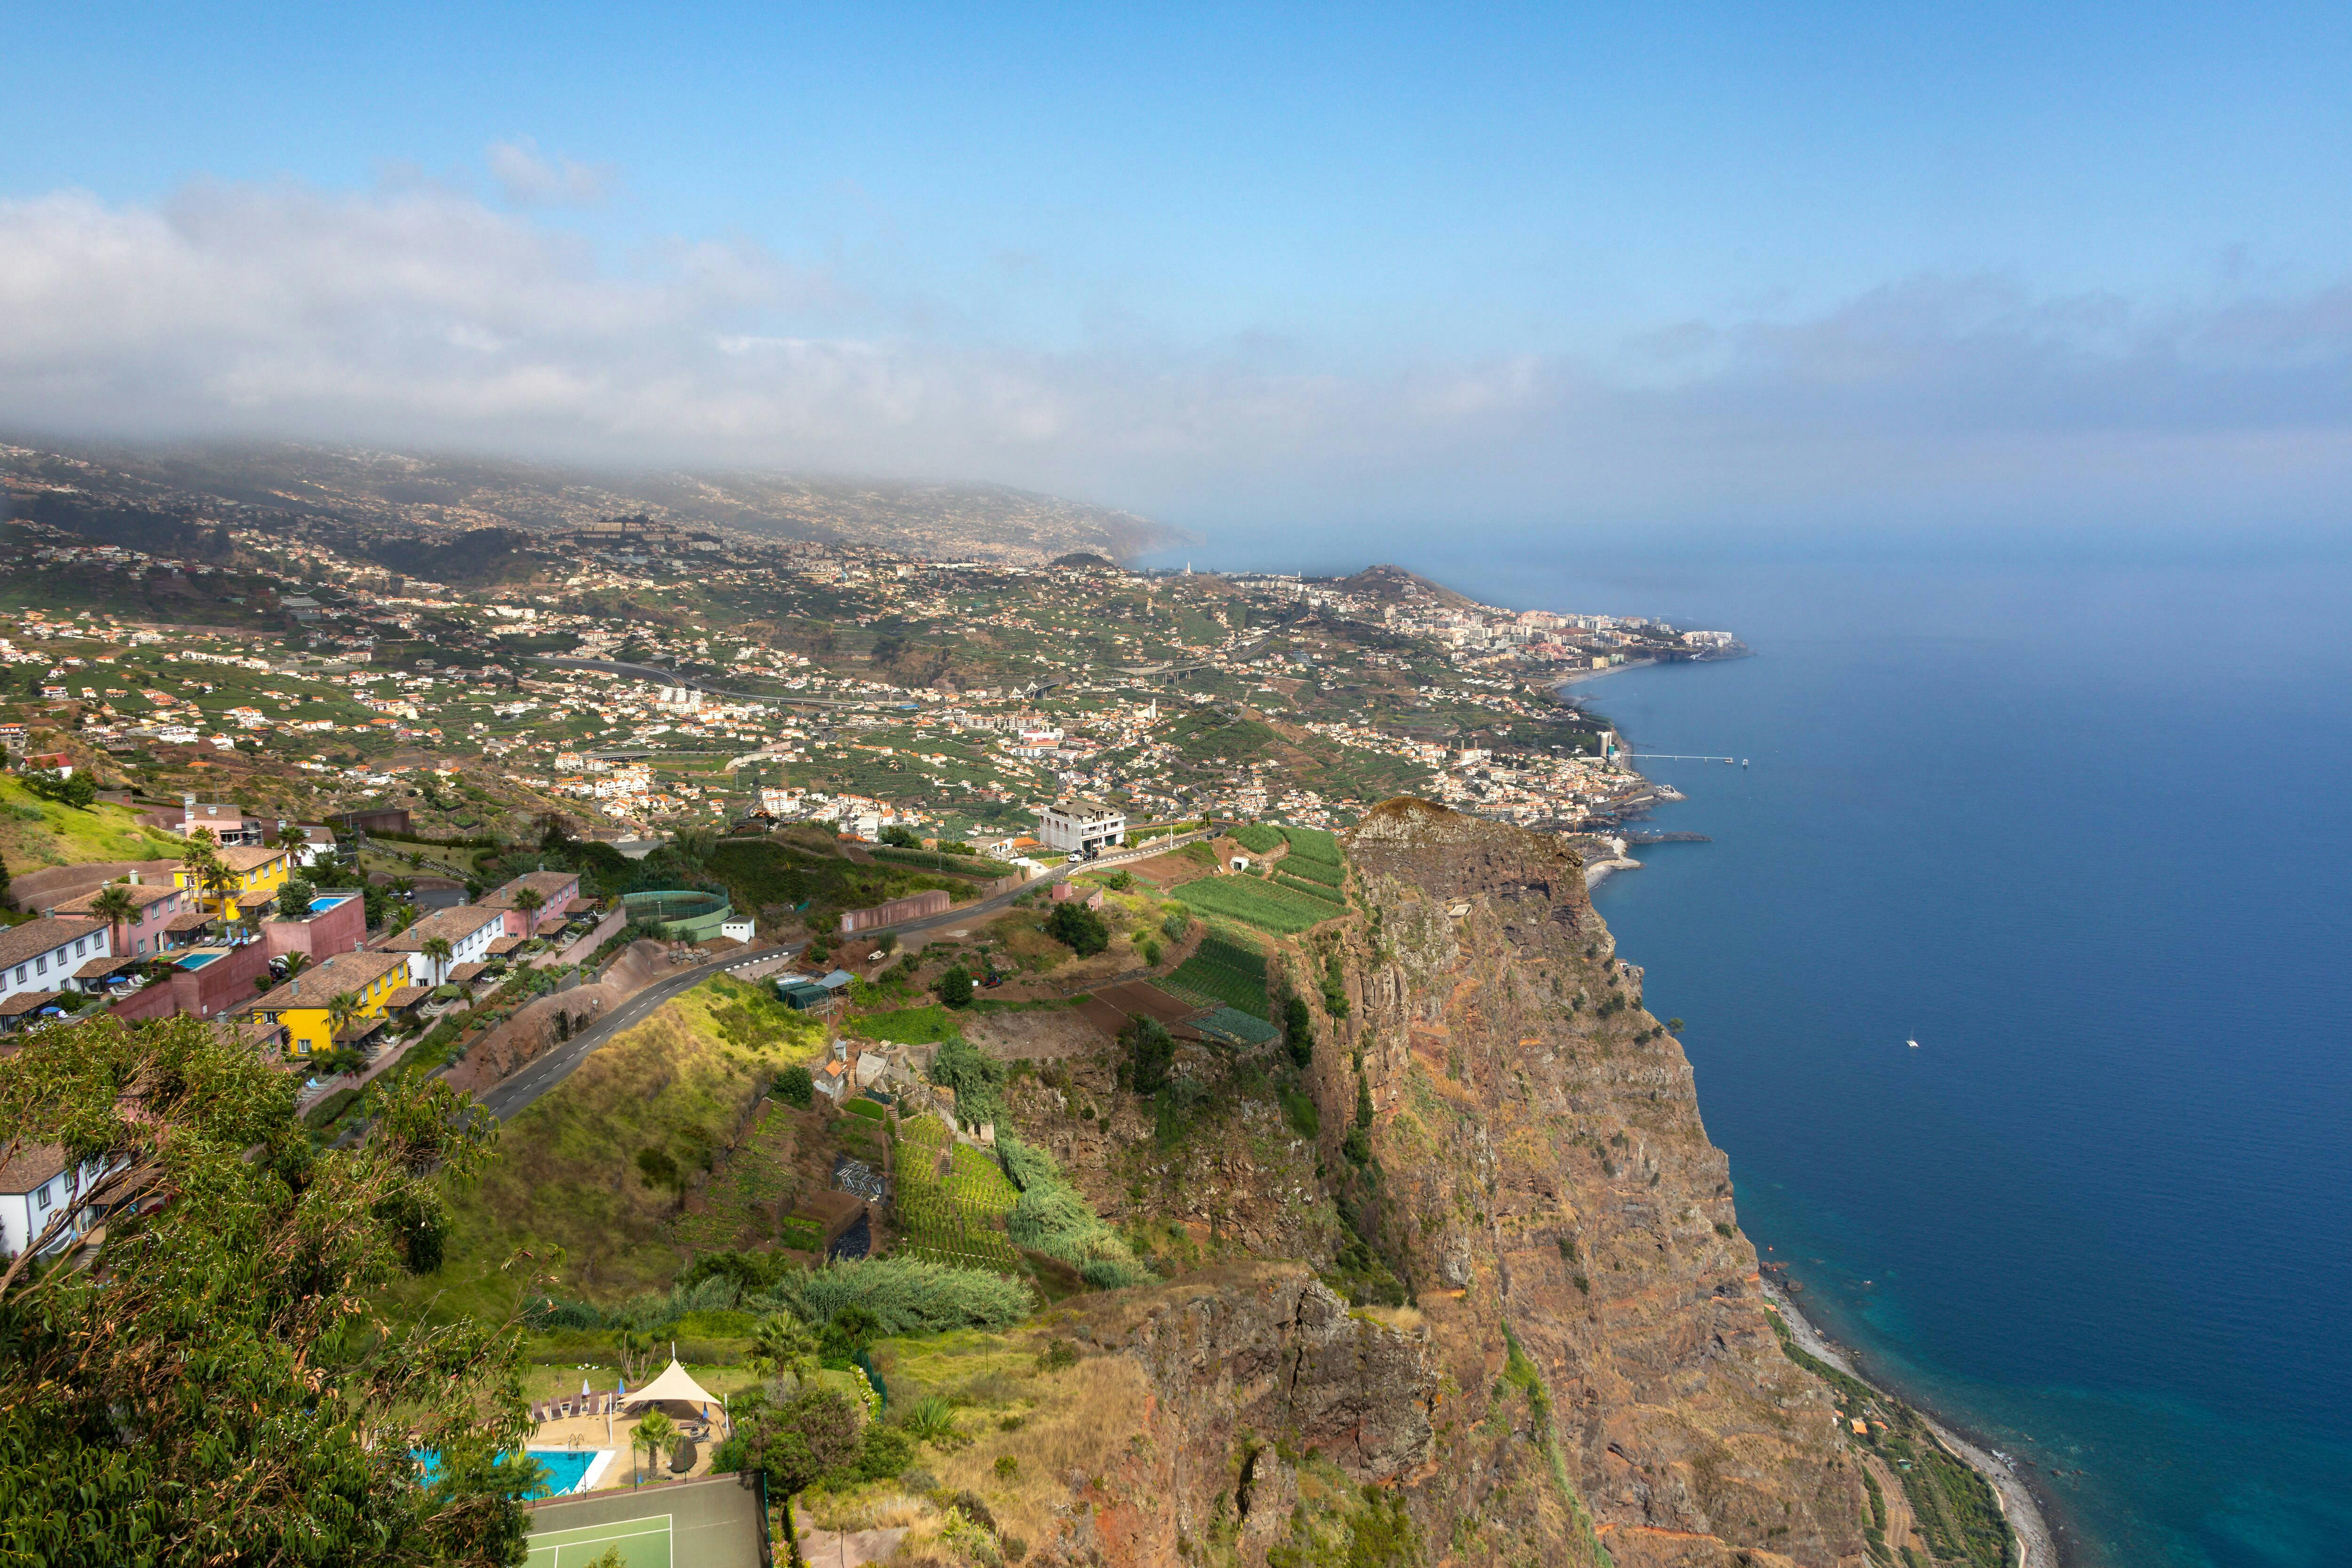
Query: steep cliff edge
point(1541, 1175)
point(1586, 1374)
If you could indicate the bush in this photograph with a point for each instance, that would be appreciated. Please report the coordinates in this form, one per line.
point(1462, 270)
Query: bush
point(796, 1085)
point(1175, 923)
point(978, 1080)
point(955, 987)
point(1150, 1050)
point(882, 1453)
point(905, 1295)
point(1053, 1219)
point(657, 1168)
point(1077, 928)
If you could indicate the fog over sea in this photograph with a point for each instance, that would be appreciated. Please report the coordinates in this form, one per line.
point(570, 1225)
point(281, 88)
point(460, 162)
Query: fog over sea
point(2079, 828)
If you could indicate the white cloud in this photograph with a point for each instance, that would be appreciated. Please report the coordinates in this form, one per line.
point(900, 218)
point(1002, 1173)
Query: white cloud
point(528, 180)
point(422, 316)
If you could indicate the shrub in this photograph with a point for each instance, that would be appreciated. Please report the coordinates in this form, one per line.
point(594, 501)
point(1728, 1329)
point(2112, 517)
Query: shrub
point(1077, 928)
point(882, 1453)
point(1059, 1356)
point(906, 1295)
point(977, 1079)
point(1148, 1050)
point(657, 1168)
point(796, 1085)
point(1007, 1468)
point(955, 987)
point(1176, 923)
point(929, 1419)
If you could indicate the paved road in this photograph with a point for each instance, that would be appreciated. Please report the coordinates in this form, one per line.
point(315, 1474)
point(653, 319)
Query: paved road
point(511, 1094)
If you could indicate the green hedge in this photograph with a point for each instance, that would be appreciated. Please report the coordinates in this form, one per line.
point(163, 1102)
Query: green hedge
point(866, 1108)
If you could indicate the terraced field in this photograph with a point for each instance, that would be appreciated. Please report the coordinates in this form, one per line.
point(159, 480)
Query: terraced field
point(1225, 970)
point(742, 1202)
point(955, 1216)
point(1269, 906)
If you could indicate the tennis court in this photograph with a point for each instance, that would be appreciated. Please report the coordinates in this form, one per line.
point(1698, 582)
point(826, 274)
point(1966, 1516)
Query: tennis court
point(644, 1544)
point(713, 1522)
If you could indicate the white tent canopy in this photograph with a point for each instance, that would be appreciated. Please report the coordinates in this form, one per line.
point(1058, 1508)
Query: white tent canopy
point(672, 1384)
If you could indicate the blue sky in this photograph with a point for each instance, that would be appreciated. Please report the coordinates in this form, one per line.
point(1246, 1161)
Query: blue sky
point(1696, 265)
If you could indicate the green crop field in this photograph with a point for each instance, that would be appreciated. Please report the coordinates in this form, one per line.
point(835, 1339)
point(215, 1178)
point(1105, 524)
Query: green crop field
point(1224, 971)
point(1258, 838)
point(1331, 895)
point(957, 1218)
point(1266, 905)
point(1312, 844)
point(1297, 865)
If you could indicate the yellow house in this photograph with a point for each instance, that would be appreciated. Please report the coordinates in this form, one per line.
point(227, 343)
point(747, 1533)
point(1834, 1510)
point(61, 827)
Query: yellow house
point(301, 1009)
point(255, 872)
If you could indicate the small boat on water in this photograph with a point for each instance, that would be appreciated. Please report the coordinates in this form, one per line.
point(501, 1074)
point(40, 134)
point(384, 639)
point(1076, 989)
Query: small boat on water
point(1913, 1044)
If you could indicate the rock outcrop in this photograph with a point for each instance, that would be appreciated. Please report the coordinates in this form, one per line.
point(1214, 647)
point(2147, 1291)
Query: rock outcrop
point(1586, 1374)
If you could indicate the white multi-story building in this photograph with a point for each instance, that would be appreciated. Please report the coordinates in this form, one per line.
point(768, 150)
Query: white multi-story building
point(36, 1188)
point(44, 955)
point(1076, 824)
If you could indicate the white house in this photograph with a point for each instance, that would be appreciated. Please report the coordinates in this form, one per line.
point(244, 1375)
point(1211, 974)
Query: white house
point(42, 955)
point(469, 928)
point(1076, 824)
point(36, 1188)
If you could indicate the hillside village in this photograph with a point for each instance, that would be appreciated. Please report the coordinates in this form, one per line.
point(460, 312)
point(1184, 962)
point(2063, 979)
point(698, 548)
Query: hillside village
point(887, 977)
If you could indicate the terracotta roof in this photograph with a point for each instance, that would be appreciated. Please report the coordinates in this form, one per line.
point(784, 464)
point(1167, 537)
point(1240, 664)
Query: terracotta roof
point(142, 893)
point(194, 920)
point(336, 973)
point(450, 925)
point(505, 945)
point(102, 966)
point(467, 974)
point(25, 1002)
point(549, 884)
point(30, 1165)
point(18, 944)
point(408, 996)
point(247, 857)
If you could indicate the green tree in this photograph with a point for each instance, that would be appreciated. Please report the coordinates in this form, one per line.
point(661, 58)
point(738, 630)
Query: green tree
point(529, 900)
point(1077, 928)
point(115, 906)
point(1299, 1028)
point(794, 1442)
point(438, 953)
point(220, 1386)
point(653, 1433)
point(955, 987)
point(1151, 1052)
point(294, 897)
point(77, 789)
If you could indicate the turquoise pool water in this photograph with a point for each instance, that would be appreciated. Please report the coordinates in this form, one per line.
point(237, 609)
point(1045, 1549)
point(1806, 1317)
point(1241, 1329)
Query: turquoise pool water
point(319, 906)
point(197, 960)
point(565, 1468)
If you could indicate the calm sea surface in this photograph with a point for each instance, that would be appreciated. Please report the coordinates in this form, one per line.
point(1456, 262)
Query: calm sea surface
point(2082, 831)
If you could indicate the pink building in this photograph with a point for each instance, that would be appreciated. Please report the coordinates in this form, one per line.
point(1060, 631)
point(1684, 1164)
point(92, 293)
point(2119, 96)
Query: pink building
point(338, 923)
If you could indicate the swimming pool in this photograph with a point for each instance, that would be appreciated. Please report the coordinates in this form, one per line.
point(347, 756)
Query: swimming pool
point(568, 1470)
point(319, 906)
point(197, 960)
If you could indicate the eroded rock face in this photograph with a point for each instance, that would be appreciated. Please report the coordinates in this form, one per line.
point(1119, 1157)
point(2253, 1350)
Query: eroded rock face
point(1545, 1172)
point(1589, 1370)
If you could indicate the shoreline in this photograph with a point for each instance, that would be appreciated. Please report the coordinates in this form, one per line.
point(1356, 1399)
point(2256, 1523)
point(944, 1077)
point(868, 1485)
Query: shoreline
point(2037, 1544)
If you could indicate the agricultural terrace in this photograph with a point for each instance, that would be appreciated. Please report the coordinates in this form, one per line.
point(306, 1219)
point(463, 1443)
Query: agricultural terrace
point(1224, 969)
point(951, 1198)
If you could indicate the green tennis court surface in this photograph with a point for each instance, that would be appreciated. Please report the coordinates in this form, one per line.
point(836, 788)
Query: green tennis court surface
point(641, 1543)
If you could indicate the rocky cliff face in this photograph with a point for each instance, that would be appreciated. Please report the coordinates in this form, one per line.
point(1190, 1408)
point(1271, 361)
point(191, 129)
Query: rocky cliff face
point(1588, 1376)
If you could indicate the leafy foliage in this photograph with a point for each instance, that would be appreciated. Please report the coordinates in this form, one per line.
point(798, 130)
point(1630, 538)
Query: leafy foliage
point(1078, 928)
point(221, 1389)
point(978, 1080)
point(906, 1295)
point(1222, 969)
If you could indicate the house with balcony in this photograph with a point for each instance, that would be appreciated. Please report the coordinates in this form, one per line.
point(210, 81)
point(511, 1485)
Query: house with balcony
point(147, 933)
point(558, 892)
point(301, 1010)
point(255, 872)
point(469, 929)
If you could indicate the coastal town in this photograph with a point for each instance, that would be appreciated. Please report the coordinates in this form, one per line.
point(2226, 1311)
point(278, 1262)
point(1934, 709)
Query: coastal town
point(643, 676)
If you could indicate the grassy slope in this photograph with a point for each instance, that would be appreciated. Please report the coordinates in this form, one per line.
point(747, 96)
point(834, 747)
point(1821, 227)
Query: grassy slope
point(65, 836)
point(566, 1174)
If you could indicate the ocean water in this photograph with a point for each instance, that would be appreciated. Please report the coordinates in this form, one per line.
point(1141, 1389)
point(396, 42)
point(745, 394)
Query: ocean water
point(2080, 828)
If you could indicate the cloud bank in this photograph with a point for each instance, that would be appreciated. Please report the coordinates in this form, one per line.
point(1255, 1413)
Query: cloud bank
point(422, 316)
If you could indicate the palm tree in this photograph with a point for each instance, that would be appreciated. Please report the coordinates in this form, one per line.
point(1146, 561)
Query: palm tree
point(341, 1008)
point(437, 949)
point(654, 1432)
point(114, 905)
point(529, 900)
